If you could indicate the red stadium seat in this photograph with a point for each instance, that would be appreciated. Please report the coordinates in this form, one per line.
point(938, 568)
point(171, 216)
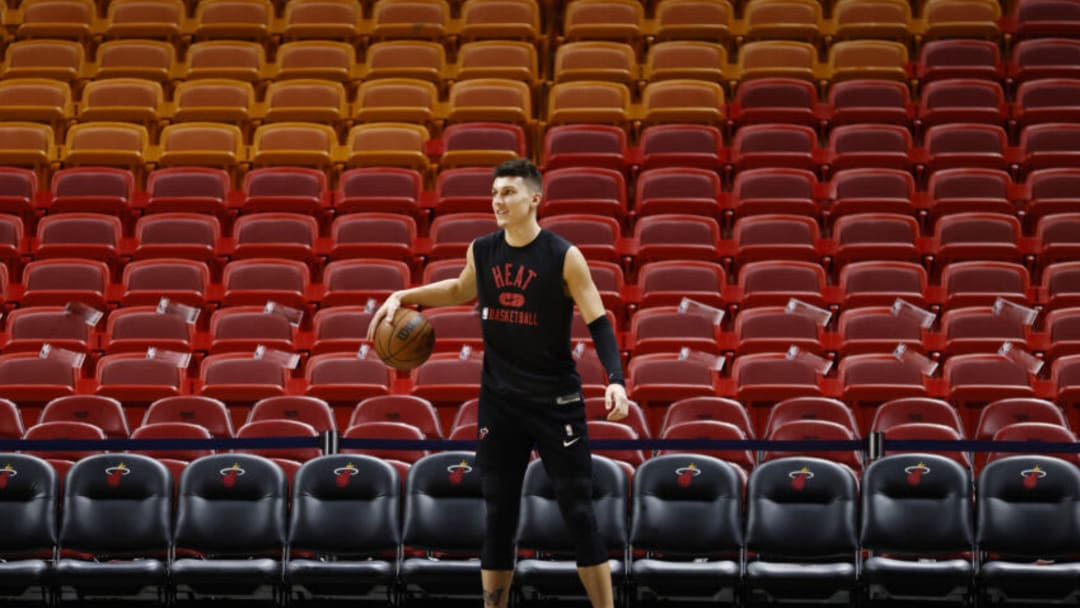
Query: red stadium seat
point(406, 409)
point(11, 422)
point(916, 409)
point(771, 377)
point(942, 59)
point(773, 329)
point(584, 190)
point(1035, 432)
point(243, 328)
point(966, 145)
point(969, 189)
point(876, 236)
point(872, 378)
point(445, 378)
point(456, 327)
point(57, 282)
point(699, 146)
point(67, 429)
point(340, 329)
point(668, 282)
point(872, 191)
point(775, 100)
point(79, 235)
point(710, 429)
point(28, 329)
point(466, 189)
point(344, 378)
point(881, 283)
point(131, 377)
point(962, 100)
point(145, 282)
point(981, 283)
point(1056, 238)
point(178, 235)
point(103, 412)
point(869, 101)
point(235, 377)
point(775, 145)
point(676, 236)
point(1062, 328)
point(978, 329)
point(204, 411)
point(279, 428)
point(452, 234)
point(136, 328)
point(662, 378)
point(1061, 285)
point(603, 429)
point(603, 146)
point(596, 236)
point(188, 189)
point(379, 189)
point(26, 378)
point(976, 379)
point(93, 190)
point(1055, 144)
point(775, 282)
point(484, 144)
point(385, 430)
point(768, 190)
point(1045, 58)
point(373, 235)
point(275, 234)
point(288, 189)
point(978, 236)
point(665, 329)
point(1005, 412)
point(926, 431)
point(801, 430)
point(875, 329)
point(173, 430)
point(1049, 100)
point(810, 408)
point(678, 190)
point(596, 410)
point(358, 280)
point(865, 146)
point(718, 409)
point(308, 410)
point(257, 280)
point(1038, 18)
point(776, 236)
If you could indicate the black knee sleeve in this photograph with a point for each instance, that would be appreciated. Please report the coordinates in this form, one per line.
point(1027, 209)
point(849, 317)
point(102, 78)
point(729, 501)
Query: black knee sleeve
point(575, 502)
point(497, 552)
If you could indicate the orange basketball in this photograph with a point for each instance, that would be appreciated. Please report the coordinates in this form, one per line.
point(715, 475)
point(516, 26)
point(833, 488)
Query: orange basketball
point(407, 342)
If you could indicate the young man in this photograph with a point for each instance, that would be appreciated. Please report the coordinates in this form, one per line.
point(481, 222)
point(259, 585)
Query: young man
point(527, 281)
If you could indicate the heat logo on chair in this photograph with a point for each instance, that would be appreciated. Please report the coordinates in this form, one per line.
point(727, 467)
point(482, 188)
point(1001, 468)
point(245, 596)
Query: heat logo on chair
point(799, 478)
point(114, 474)
point(458, 472)
point(1032, 476)
point(915, 473)
point(7, 473)
point(342, 474)
point(687, 474)
point(229, 475)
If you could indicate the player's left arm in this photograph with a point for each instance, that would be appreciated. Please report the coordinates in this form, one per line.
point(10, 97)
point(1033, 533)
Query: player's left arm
point(580, 284)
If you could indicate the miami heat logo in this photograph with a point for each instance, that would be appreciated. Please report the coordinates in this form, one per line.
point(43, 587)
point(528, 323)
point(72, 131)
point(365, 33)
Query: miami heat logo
point(7, 473)
point(342, 474)
point(1032, 476)
point(915, 473)
point(458, 472)
point(483, 432)
point(687, 474)
point(113, 474)
point(229, 475)
point(799, 478)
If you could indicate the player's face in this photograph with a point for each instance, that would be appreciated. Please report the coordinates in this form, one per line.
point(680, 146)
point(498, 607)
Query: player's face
point(513, 201)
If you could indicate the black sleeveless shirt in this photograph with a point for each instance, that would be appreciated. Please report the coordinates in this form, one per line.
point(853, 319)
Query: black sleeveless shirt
point(526, 314)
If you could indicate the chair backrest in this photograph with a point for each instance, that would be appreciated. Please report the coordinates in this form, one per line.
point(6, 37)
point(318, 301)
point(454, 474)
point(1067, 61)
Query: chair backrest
point(1018, 496)
point(116, 504)
point(310, 410)
point(28, 496)
point(105, 413)
point(346, 504)
point(231, 504)
point(444, 505)
point(802, 507)
point(204, 411)
point(541, 525)
point(687, 504)
point(917, 504)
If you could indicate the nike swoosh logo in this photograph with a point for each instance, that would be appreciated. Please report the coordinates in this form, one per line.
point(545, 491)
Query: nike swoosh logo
point(568, 443)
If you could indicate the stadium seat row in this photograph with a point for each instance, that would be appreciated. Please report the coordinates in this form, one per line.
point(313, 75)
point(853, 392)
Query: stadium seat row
point(806, 522)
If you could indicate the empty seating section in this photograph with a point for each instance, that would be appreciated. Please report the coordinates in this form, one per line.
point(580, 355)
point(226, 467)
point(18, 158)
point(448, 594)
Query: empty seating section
point(806, 220)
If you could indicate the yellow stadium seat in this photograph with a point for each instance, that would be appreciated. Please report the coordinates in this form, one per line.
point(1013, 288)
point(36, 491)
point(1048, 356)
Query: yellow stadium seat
point(111, 144)
point(490, 99)
point(149, 59)
point(397, 99)
point(406, 59)
point(306, 100)
point(248, 19)
point(615, 61)
point(123, 100)
point(294, 143)
point(410, 19)
point(316, 59)
point(57, 59)
point(867, 59)
point(225, 59)
point(683, 101)
point(387, 144)
point(205, 144)
point(783, 19)
point(27, 144)
point(510, 59)
point(324, 19)
point(57, 19)
point(781, 58)
point(604, 20)
point(214, 100)
point(889, 19)
point(589, 102)
point(146, 19)
point(708, 20)
point(500, 19)
point(36, 99)
point(686, 59)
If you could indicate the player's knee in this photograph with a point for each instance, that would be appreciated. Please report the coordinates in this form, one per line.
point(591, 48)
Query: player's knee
point(575, 502)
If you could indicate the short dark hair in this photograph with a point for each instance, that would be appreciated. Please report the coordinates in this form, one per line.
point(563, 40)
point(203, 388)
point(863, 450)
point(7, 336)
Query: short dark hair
point(523, 168)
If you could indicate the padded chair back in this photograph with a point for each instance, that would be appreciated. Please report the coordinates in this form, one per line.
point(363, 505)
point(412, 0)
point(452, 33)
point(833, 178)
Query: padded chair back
point(346, 504)
point(117, 503)
point(232, 503)
point(444, 506)
point(1018, 497)
point(802, 507)
point(687, 504)
point(918, 503)
point(28, 496)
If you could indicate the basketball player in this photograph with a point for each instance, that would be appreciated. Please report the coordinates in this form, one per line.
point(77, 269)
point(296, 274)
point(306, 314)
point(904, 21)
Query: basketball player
point(528, 280)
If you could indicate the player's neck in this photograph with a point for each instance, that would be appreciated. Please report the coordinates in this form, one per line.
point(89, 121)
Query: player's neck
point(522, 234)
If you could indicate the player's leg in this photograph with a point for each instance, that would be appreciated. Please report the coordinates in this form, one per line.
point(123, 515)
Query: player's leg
point(564, 449)
point(502, 455)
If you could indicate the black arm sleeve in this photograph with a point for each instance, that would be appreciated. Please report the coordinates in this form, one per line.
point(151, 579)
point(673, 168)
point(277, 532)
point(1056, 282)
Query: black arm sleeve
point(607, 348)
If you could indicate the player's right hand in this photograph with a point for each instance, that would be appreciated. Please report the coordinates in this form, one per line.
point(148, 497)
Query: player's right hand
point(385, 314)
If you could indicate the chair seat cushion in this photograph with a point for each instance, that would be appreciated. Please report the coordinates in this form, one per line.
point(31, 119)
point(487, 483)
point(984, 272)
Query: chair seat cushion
point(120, 577)
point(918, 578)
point(345, 577)
point(818, 582)
point(18, 576)
point(684, 579)
point(1026, 580)
point(226, 576)
point(450, 577)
